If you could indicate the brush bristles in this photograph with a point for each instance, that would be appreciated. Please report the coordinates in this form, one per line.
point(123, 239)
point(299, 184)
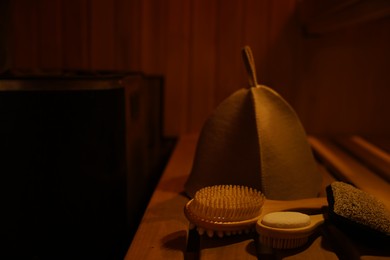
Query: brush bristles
point(227, 203)
point(283, 243)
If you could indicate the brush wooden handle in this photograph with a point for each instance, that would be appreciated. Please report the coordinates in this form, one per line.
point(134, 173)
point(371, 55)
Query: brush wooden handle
point(293, 205)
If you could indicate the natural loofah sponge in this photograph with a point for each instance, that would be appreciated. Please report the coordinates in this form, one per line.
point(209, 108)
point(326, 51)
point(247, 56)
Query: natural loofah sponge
point(351, 206)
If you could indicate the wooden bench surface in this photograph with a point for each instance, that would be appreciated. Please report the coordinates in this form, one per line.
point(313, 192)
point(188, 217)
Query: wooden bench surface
point(164, 231)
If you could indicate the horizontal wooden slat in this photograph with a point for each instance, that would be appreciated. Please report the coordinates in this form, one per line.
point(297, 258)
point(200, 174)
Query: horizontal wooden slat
point(350, 170)
point(382, 142)
point(327, 179)
point(344, 14)
point(367, 153)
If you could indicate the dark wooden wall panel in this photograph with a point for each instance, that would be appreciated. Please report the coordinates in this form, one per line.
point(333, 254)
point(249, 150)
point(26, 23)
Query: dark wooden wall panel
point(128, 24)
point(49, 16)
point(228, 48)
point(283, 49)
point(25, 37)
point(196, 46)
point(255, 29)
point(177, 81)
point(75, 34)
point(102, 34)
point(345, 81)
point(153, 35)
point(203, 64)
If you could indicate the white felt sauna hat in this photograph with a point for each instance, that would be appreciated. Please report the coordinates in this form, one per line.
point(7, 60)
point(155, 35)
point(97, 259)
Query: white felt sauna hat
point(254, 138)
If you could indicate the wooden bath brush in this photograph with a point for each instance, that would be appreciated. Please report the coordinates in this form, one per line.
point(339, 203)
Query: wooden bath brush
point(224, 209)
point(233, 209)
point(283, 226)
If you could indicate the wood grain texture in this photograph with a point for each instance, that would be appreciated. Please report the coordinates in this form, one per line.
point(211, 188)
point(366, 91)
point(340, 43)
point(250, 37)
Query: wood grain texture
point(343, 81)
point(229, 22)
point(371, 156)
point(49, 34)
point(24, 42)
point(203, 64)
point(335, 16)
point(350, 170)
point(75, 34)
point(337, 81)
point(242, 247)
point(177, 82)
point(163, 231)
point(102, 35)
point(254, 34)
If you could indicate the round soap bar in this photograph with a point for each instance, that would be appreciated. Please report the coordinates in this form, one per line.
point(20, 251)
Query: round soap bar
point(286, 219)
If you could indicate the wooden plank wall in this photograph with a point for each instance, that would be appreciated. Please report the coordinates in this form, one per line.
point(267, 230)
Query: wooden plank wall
point(337, 81)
